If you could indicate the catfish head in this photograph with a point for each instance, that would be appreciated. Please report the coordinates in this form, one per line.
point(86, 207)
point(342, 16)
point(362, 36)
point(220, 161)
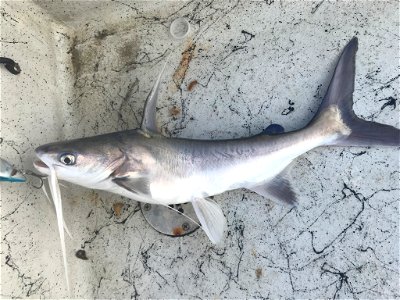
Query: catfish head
point(88, 162)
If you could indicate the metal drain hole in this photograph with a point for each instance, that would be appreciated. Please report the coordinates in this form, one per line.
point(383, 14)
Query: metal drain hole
point(174, 220)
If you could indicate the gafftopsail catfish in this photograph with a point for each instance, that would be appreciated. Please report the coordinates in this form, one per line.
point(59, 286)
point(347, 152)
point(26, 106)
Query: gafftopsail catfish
point(143, 165)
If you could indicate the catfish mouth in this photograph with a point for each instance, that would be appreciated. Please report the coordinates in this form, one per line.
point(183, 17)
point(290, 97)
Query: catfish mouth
point(40, 165)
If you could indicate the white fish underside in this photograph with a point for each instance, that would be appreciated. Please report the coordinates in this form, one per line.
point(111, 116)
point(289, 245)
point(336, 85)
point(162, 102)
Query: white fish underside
point(171, 189)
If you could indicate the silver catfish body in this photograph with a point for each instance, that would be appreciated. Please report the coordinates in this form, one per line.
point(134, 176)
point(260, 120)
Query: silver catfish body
point(145, 166)
point(156, 169)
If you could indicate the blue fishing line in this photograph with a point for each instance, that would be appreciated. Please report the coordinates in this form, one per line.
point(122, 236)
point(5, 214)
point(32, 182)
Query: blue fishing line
point(10, 179)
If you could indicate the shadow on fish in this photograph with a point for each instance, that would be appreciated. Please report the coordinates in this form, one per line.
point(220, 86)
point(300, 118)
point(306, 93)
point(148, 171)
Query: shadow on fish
point(143, 165)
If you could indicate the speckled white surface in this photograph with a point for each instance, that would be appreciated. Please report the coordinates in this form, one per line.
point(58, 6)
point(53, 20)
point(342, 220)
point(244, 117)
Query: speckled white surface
point(87, 68)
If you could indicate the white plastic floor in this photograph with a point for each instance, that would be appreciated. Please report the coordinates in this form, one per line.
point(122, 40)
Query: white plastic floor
point(87, 68)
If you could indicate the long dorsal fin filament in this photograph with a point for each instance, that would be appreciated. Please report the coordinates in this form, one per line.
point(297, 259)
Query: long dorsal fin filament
point(149, 122)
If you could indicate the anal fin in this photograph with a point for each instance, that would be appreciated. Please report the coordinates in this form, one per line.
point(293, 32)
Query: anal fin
point(211, 218)
point(278, 189)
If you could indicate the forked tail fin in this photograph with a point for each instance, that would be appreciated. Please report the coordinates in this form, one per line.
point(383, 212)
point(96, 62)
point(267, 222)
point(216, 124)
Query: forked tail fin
point(339, 98)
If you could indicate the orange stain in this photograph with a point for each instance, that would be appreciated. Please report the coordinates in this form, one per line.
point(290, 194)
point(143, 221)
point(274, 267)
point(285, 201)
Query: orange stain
point(192, 84)
point(177, 231)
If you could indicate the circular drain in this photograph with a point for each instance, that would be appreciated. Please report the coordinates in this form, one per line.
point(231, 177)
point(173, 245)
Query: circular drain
point(179, 28)
point(168, 221)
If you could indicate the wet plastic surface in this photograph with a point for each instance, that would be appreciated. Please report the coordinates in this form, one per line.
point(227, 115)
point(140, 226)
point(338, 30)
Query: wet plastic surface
point(87, 68)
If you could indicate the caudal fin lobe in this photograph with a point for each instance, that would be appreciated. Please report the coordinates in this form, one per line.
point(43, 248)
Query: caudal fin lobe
point(340, 97)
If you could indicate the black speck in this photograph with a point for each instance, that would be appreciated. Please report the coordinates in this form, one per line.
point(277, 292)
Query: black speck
point(81, 254)
point(288, 110)
point(247, 36)
point(390, 102)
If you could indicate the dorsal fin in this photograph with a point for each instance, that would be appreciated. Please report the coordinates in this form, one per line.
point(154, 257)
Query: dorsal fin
point(149, 123)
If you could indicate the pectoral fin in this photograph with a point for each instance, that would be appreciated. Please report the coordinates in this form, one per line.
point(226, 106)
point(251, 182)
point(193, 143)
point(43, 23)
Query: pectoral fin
point(211, 218)
point(278, 189)
point(138, 185)
point(149, 123)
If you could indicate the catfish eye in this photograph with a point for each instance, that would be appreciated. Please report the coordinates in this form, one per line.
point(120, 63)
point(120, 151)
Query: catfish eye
point(67, 159)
